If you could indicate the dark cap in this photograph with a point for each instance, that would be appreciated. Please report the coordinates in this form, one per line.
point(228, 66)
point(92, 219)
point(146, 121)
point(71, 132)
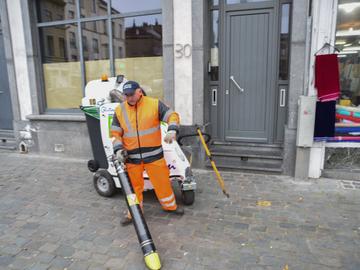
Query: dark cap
point(130, 87)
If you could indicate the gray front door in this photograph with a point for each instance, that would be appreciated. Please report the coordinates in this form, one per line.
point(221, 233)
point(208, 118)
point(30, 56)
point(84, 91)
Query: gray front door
point(6, 115)
point(249, 76)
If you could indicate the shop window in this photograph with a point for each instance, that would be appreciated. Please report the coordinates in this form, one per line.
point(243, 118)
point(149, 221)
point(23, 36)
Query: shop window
point(214, 46)
point(348, 42)
point(49, 10)
point(62, 77)
point(284, 43)
point(97, 59)
point(140, 53)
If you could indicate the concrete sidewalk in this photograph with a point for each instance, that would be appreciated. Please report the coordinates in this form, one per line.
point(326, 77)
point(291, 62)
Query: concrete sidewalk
point(52, 218)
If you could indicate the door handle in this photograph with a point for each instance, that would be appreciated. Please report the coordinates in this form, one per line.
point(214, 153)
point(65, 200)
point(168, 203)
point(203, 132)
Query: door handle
point(282, 102)
point(236, 84)
point(1, 92)
point(214, 97)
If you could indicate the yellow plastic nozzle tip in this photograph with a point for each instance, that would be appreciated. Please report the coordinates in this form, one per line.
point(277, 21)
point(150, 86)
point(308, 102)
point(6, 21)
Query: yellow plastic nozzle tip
point(152, 261)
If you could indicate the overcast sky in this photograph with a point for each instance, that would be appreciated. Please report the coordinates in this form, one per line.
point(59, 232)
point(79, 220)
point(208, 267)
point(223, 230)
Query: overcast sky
point(125, 6)
point(135, 5)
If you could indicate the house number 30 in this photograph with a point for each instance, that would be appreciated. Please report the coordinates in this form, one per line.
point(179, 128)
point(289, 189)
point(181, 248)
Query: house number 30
point(182, 50)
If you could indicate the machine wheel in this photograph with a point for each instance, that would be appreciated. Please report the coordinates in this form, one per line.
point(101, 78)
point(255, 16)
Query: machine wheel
point(104, 183)
point(93, 165)
point(188, 197)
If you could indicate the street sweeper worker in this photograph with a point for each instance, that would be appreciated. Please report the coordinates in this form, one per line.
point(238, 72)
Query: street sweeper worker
point(136, 137)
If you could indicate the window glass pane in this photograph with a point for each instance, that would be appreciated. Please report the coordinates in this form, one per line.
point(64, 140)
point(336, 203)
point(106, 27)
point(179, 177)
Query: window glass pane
point(214, 2)
point(214, 46)
point(284, 42)
point(61, 66)
point(49, 10)
point(138, 51)
point(91, 8)
point(348, 41)
point(124, 6)
point(95, 49)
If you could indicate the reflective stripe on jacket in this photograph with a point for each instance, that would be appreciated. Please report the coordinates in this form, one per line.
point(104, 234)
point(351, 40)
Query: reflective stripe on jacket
point(137, 128)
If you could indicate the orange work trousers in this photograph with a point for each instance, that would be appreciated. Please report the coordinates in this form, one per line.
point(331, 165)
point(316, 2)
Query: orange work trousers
point(159, 175)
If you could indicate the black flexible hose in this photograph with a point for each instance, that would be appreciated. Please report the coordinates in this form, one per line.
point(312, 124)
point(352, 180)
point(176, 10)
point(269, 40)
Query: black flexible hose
point(207, 137)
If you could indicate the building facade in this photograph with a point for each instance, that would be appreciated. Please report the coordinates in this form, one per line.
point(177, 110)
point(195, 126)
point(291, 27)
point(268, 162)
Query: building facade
point(236, 67)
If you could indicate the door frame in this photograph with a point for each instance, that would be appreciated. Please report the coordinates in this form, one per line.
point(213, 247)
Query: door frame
point(270, 79)
point(10, 65)
point(218, 122)
point(5, 93)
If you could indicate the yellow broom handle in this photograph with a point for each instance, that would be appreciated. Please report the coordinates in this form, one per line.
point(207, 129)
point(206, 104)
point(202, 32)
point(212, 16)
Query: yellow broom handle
point(218, 176)
point(220, 180)
point(203, 143)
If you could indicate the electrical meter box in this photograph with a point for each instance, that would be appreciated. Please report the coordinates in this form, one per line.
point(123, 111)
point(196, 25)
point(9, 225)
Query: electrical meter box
point(306, 121)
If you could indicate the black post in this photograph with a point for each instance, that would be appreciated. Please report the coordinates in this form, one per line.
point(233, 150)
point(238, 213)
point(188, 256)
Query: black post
point(151, 257)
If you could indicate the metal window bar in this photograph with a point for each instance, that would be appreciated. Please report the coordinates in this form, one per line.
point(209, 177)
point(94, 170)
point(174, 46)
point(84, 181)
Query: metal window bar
point(80, 42)
point(98, 18)
point(110, 38)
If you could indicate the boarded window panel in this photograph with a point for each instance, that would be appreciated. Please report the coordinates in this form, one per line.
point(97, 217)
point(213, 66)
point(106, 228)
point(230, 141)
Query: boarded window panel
point(62, 76)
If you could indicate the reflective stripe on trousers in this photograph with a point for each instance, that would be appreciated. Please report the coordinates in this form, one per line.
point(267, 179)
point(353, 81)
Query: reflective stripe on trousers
point(159, 176)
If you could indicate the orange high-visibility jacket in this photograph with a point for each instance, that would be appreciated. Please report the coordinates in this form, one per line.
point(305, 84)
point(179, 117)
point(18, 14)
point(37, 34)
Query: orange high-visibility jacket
point(137, 129)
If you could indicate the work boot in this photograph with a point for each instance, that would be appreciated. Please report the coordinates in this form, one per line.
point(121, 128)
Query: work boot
point(178, 211)
point(125, 220)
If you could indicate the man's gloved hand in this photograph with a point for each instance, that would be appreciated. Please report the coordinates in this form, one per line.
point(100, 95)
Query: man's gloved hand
point(170, 136)
point(121, 155)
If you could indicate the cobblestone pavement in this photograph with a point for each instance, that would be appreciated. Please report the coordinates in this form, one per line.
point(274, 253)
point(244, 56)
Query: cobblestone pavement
point(52, 218)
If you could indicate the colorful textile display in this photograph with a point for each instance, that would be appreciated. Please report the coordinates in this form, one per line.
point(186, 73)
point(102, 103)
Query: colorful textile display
point(325, 119)
point(348, 108)
point(346, 130)
point(327, 77)
point(338, 139)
